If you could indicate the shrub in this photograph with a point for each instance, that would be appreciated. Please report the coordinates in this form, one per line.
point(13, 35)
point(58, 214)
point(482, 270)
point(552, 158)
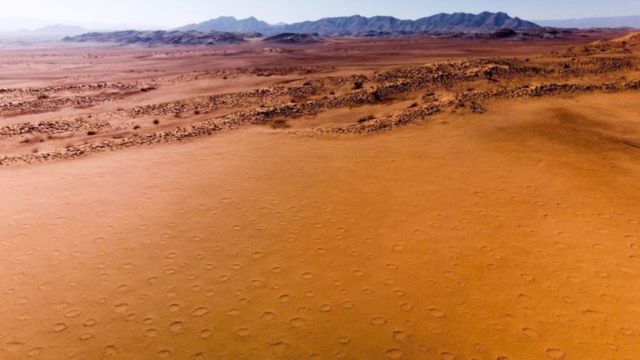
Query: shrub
point(366, 118)
point(279, 124)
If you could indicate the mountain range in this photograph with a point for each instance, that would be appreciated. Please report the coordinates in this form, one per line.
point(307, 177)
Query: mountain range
point(485, 22)
point(359, 25)
point(595, 22)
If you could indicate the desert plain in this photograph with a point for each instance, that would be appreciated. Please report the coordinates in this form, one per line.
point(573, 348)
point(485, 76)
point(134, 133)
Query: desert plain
point(385, 198)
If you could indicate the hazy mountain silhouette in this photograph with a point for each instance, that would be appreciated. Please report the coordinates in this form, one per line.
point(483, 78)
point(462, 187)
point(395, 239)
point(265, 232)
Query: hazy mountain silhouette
point(595, 22)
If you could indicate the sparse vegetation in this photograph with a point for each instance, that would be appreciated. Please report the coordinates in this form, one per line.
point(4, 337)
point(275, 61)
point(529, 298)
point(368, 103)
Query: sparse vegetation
point(447, 85)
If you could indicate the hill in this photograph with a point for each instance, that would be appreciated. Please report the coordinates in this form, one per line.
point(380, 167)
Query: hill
point(631, 38)
point(623, 45)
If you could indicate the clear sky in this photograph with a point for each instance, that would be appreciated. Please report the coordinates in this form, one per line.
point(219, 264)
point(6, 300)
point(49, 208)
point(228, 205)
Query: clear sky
point(171, 13)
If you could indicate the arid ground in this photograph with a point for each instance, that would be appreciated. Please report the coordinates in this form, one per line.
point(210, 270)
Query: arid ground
point(410, 198)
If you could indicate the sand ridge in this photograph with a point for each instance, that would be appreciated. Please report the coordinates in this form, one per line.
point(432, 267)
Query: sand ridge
point(300, 92)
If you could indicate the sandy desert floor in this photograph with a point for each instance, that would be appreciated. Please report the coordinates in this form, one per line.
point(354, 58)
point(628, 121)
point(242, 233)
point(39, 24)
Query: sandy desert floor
point(488, 220)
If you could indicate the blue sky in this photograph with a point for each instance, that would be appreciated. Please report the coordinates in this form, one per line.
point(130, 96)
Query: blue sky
point(170, 13)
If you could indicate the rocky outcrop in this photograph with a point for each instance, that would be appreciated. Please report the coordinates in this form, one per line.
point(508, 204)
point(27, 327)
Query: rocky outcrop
point(156, 38)
point(292, 38)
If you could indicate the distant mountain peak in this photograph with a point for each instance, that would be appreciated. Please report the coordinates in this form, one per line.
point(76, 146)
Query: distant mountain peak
point(229, 24)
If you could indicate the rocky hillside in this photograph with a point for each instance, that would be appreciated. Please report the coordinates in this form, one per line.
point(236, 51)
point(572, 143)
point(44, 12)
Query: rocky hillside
point(155, 38)
point(631, 39)
point(359, 25)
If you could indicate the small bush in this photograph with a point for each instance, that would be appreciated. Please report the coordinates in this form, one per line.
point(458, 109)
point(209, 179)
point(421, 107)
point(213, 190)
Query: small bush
point(377, 96)
point(279, 124)
point(366, 118)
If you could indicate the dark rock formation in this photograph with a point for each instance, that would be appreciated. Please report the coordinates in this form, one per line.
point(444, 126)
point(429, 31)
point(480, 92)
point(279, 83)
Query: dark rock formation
point(292, 38)
point(155, 38)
